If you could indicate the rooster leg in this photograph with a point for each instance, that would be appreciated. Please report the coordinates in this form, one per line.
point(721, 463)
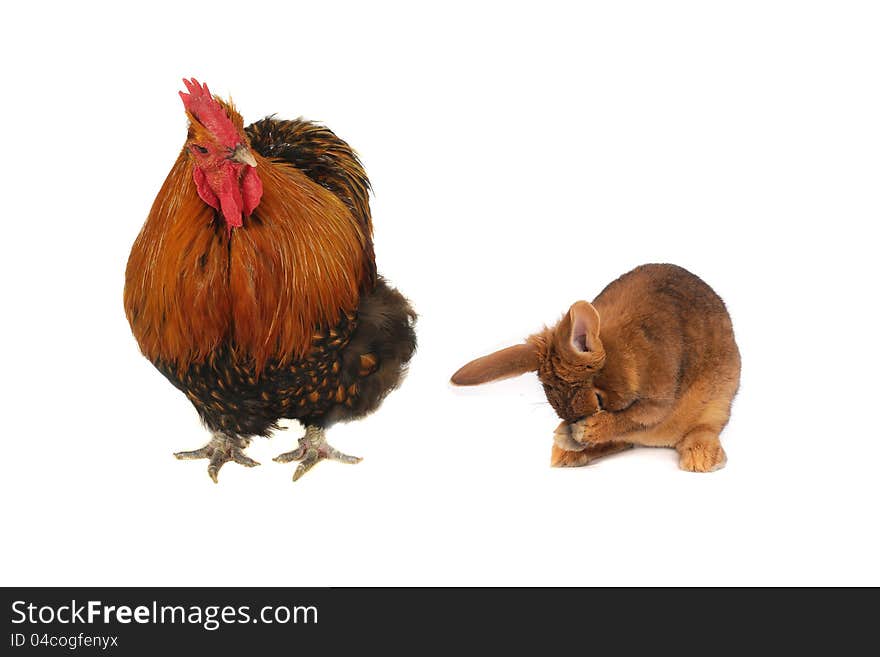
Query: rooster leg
point(220, 450)
point(313, 447)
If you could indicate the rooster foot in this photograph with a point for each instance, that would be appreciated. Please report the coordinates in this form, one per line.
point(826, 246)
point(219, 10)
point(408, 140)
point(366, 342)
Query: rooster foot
point(220, 450)
point(313, 448)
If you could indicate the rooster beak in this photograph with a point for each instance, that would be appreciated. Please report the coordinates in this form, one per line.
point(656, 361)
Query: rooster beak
point(243, 155)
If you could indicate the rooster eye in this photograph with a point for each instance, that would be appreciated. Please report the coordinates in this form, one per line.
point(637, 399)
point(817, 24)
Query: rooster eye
point(200, 149)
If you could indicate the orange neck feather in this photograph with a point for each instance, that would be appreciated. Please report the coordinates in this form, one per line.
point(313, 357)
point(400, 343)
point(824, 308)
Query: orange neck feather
point(262, 290)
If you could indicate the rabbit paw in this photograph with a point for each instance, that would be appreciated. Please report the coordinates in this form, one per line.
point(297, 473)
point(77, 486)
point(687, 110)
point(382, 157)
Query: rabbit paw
point(701, 452)
point(591, 430)
point(560, 458)
point(564, 439)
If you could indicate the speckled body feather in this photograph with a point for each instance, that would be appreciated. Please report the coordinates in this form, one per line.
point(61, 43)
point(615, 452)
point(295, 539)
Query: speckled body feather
point(345, 375)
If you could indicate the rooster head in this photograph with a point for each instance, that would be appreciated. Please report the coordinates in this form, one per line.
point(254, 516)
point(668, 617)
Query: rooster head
point(224, 168)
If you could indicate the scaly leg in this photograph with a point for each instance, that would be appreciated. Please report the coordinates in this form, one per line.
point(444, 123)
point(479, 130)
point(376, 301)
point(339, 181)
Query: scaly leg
point(313, 447)
point(221, 449)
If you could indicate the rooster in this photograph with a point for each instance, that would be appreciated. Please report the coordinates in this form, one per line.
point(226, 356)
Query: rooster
point(252, 285)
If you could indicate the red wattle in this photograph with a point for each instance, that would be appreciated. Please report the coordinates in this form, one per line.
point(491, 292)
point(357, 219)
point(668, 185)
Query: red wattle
point(251, 190)
point(222, 190)
point(204, 189)
point(231, 210)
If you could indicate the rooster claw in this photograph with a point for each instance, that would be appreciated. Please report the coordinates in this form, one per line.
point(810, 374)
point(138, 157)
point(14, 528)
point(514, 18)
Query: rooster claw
point(221, 449)
point(313, 448)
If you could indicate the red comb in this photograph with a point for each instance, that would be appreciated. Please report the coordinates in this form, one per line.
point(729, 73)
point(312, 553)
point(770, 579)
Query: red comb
point(202, 105)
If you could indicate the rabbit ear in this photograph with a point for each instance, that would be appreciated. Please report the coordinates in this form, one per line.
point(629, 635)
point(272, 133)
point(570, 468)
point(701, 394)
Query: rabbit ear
point(512, 361)
point(583, 333)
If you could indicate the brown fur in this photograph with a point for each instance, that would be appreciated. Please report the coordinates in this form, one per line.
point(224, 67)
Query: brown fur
point(188, 277)
point(661, 371)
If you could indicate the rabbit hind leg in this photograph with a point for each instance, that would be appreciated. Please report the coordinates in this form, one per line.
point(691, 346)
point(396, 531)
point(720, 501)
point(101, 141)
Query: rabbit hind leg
point(699, 448)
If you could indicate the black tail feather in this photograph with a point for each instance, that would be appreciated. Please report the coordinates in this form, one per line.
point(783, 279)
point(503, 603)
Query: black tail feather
point(386, 330)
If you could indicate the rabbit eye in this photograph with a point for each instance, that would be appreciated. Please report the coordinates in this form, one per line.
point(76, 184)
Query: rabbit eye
point(600, 402)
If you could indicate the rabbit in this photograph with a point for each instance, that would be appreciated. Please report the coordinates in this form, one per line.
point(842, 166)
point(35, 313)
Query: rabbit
point(652, 361)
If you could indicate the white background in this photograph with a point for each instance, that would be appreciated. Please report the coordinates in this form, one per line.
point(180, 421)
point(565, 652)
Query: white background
point(522, 157)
